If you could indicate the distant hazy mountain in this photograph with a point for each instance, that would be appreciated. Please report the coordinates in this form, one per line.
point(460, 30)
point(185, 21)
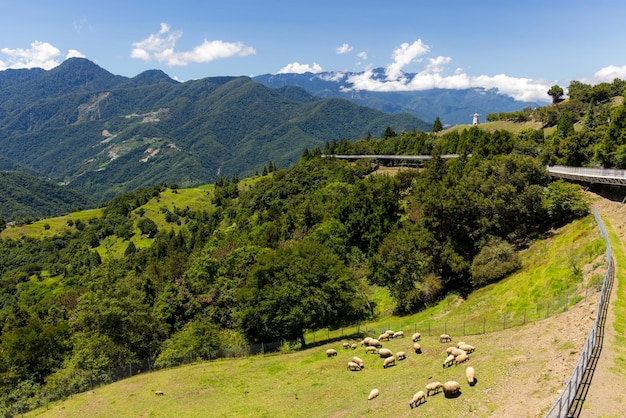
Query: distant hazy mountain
point(104, 134)
point(453, 107)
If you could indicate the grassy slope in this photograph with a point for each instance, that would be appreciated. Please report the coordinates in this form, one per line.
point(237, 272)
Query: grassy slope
point(308, 383)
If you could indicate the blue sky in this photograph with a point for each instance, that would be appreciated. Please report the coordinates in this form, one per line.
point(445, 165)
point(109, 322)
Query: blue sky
point(521, 47)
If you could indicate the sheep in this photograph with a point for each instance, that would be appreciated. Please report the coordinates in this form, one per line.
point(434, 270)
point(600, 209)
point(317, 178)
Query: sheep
point(331, 352)
point(346, 345)
point(451, 389)
point(461, 359)
point(385, 352)
point(448, 361)
point(460, 343)
point(159, 393)
point(433, 387)
point(366, 341)
point(383, 337)
point(401, 355)
point(456, 352)
point(358, 361)
point(389, 361)
point(444, 338)
point(353, 366)
point(371, 349)
point(467, 348)
point(417, 347)
point(373, 393)
point(399, 334)
point(353, 346)
point(418, 398)
point(416, 337)
point(390, 333)
point(470, 373)
point(375, 343)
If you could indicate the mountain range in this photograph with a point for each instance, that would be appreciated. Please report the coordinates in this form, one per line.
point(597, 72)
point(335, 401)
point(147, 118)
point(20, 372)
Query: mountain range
point(104, 134)
point(452, 106)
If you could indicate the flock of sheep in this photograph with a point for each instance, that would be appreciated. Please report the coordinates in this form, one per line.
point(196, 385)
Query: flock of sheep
point(456, 354)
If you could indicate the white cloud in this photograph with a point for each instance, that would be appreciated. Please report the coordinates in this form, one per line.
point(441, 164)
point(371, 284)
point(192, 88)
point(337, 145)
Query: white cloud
point(403, 56)
point(72, 53)
point(607, 74)
point(40, 54)
point(344, 49)
point(433, 75)
point(161, 47)
point(362, 55)
point(297, 68)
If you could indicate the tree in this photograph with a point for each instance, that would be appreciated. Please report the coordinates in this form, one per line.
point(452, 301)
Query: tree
point(556, 92)
point(493, 262)
point(389, 133)
point(437, 126)
point(147, 227)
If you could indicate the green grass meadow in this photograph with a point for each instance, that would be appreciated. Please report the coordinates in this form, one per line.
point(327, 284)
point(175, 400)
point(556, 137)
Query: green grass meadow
point(306, 383)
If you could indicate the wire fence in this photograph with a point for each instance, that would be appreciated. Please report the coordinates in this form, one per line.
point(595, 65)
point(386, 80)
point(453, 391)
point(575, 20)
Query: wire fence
point(572, 395)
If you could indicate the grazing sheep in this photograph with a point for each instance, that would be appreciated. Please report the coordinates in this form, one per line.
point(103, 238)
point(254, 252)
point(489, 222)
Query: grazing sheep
point(353, 346)
point(159, 392)
point(389, 361)
point(373, 393)
point(418, 398)
point(416, 337)
point(353, 366)
point(448, 361)
point(470, 373)
point(399, 334)
point(366, 341)
point(371, 349)
point(390, 332)
point(346, 345)
point(445, 338)
point(375, 343)
point(385, 352)
point(418, 348)
point(358, 361)
point(457, 352)
point(383, 337)
point(451, 389)
point(460, 343)
point(461, 359)
point(401, 355)
point(433, 387)
point(331, 352)
point(467, 348)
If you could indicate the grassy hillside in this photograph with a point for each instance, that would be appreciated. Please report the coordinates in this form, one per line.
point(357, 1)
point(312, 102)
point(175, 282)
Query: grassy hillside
point(308, 383)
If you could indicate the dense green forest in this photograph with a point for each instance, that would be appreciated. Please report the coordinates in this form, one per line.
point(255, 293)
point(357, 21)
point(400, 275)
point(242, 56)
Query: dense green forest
point(284, 252)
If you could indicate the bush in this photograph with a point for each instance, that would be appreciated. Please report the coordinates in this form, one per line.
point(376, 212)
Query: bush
point(494, 261)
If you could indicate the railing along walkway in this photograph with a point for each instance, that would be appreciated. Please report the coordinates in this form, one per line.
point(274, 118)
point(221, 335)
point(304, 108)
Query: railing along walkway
point(589, 175)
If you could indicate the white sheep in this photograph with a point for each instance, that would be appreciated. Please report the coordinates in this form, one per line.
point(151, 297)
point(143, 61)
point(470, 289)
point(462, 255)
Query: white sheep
point(159, 392)
point(390, 332)
point(331, 352)
point(451, 389)
point(358, 361)
point(417, 348)
point(389, 361)
point(444, 338)
point(461, 359)
point(366, 341)
point(383, 337)
point(373, 393)
point(448, 361)
point(460, 343)
point(433, 387)
point(416, 337)
point(456, 351)
point(353, 346)
point(467, 348)
point(470, 373)
point(375, 343)
point(418, 398)
point(399, 334)
point(371, 349)
point(385, 352)
point(353, 366)
point(346, 345)
point(401, 355)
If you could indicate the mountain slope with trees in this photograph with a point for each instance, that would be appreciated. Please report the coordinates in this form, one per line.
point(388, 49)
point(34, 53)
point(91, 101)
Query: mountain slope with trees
point(104, 134)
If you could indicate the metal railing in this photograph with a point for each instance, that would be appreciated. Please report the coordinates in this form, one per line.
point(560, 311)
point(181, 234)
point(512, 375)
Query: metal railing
point(572, 395)
point(589, 175)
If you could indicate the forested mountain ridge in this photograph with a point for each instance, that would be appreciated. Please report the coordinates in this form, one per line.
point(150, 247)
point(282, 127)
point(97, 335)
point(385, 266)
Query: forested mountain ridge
point(104, 134)
point(452, 106)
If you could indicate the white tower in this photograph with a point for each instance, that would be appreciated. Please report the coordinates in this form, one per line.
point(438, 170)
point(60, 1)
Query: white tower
point(475, 120)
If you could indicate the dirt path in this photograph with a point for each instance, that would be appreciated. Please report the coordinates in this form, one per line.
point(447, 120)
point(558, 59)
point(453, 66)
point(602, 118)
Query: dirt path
point(607, 393)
